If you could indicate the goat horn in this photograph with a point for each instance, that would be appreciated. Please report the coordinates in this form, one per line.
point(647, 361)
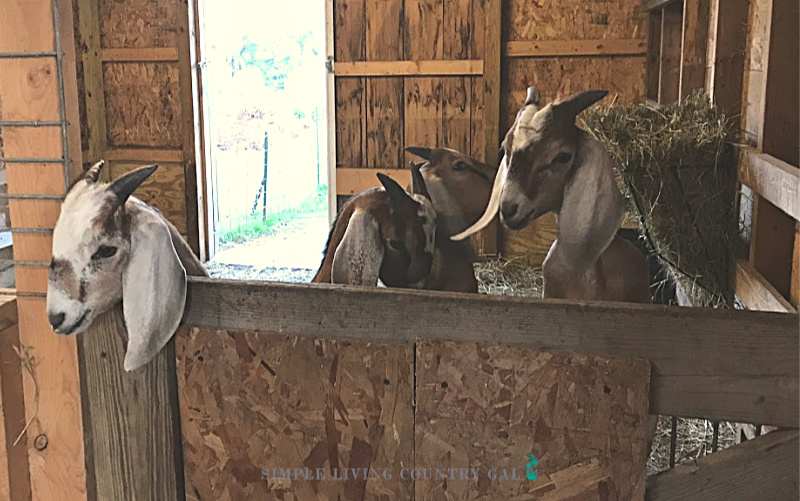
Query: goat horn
point(93, 174)
point(534, 96)
point(126, 184)
point(419, 151)
point(492, 208)
point(572, 106)
point(418, 182)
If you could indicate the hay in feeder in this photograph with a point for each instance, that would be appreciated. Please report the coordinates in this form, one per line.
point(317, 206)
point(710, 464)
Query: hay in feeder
point(677, 168)
point(513, 277)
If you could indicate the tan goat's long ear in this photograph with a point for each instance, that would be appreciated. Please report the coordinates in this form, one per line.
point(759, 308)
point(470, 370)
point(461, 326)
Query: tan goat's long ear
point(593, 206)
point(358, 258)
point(492, 208)
point(153, 290)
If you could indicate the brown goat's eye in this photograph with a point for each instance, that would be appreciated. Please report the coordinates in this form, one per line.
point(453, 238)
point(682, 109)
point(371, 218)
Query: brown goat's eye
point(460, 166)
point(104, 251)
point(562, 158)
point(395, 244)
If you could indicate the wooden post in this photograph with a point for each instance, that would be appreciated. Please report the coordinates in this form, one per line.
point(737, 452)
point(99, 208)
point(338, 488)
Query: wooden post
point(94, 96)
point(490, 240)
point(693, 46)
point(41, 89)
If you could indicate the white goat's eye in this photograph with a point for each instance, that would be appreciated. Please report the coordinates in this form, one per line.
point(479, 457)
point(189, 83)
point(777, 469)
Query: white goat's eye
point(104, 251)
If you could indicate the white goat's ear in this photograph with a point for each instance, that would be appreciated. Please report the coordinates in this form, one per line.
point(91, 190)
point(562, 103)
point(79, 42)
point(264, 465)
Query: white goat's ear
point(593, 206)
point(153, 290)
point(358, 258)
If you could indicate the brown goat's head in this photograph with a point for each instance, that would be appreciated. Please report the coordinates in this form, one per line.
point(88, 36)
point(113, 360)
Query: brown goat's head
point(390, 235)
point(459, 186)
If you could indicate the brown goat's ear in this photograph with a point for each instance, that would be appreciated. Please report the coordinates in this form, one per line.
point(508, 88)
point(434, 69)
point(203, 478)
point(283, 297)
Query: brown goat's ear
point(419, 151)
point(418, 182)
point(397, 195)
point(572, 106)
point(93, 174)
point(126, 184)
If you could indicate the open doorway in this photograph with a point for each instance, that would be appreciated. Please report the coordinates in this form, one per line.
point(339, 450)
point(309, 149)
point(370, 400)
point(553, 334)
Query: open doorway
point(264, 96)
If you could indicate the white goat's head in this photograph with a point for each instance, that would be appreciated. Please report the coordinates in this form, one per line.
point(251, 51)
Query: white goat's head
point(540, 152)
point(107, 247)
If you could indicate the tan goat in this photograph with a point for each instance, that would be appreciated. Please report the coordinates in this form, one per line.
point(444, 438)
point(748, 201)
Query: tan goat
point(550, 165)
point(382, 233)
point(459, 188)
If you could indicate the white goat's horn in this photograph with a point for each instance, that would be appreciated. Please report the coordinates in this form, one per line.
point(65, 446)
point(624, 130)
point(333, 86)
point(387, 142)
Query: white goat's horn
point(492, 208)
point(93, 174)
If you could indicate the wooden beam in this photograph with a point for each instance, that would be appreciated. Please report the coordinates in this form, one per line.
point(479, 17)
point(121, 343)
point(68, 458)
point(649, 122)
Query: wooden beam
point(727, 83)
point(350, 181)
point(694, 352)
point(651, 5)
point(407, 68)
point(144, 155)
point(756, 292)
point(670, 63)
point(492, 87)
point(694, 45)
point(772, 178)
point(763, 468)
point(653, 63)
point(576, 48)
point(94, 95)
point(139, 54)
point(133, 418)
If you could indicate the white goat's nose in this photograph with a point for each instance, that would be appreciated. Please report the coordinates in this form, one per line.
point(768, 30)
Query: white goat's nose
point(55, 319)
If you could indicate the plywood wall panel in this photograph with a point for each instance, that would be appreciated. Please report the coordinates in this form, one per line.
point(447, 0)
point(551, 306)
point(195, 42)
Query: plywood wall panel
point(33, 27)
point(253, 402)
point(477, 139)
point(423, 112)
point(138, 23)
point(491, 407)
point(29, 89)
point(456, 109)
point(349, 30)
point(143, 104)
point(574, 19)
point(351, 141)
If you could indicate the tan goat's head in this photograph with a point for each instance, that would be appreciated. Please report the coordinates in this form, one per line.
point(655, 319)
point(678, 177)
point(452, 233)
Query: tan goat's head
point(390, 235)
point(539, 153)
point(459, 186)
point(107, 247)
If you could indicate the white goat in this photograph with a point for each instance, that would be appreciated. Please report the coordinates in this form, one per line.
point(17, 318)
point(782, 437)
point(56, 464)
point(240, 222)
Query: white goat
point(549, 164)
point(109, 246)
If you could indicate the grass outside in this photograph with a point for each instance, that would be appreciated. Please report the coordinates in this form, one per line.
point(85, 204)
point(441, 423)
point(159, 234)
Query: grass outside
point(256, 226)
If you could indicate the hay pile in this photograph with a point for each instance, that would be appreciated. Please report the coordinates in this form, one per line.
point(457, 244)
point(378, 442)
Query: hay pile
point(514, 277)
point(677, 168)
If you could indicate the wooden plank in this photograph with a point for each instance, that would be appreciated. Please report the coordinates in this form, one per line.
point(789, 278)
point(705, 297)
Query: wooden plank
point(53, 405)
point(31, 278)
point(756, 62)
point(756, 292)
point(13, 415)
point(94, 91)
point(727, 83)
point(351, 116)
point(72, 108)
point(781, 133)
point(29, 89)
point(187, 64)
point(144, 155)
point(694, 46)
point(773, 179)
point(763, 468)
point(32, 247)
point(567, 48)
point(36, 179)
point(140, 54)
point(407, 68)
point(794, 294)
point(671, 37)
point(659, 4)
point(350, 181)
point(693, 351)
point(475, 408)
point(26, 27)
point(653, 65)
point(5, 485)
point(34, 214)
point(132, 417)
point(492, 82)
point(772, 244)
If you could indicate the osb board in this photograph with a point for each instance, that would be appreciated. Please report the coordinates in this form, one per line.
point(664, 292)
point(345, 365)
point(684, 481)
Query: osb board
point(623, 77)
point(255, 402)
point(143, 104)
point(489, 408)
point(164, 190)
point(574, 19)
point(138, 23)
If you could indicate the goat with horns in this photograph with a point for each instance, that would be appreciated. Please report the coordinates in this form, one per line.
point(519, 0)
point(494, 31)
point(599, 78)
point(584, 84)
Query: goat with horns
point(109, 246)
point(549, 164)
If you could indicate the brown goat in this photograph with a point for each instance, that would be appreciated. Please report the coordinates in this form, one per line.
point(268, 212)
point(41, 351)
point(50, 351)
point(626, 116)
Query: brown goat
point(460, 187)
point(382, 233)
